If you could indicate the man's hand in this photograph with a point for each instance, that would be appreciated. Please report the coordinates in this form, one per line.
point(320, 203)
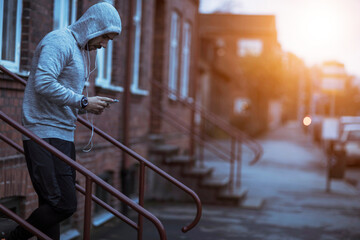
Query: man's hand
point(98, 104)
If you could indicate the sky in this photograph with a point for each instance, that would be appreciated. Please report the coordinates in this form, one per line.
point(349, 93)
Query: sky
point(314, 30)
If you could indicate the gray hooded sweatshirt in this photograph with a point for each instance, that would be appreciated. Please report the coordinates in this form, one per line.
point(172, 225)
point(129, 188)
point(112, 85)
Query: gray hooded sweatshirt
point(58, 72)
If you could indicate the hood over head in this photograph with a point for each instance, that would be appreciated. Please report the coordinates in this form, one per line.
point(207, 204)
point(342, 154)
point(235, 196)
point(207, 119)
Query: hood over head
point(99, 19)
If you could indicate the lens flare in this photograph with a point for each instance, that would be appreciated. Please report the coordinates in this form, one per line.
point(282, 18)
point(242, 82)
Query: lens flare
point(307, 121)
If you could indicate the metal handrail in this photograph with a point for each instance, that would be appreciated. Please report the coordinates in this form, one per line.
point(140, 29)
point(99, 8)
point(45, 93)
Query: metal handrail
point(143, 163)
point(90, 178)
point(216, 149)
point(152, 167)
point(23, 223)
point(219, 122)
point(78, 187)
point(237, 137)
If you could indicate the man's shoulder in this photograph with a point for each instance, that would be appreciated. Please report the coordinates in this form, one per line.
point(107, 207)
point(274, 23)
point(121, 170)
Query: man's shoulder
point(58, 37)
point(61, 39)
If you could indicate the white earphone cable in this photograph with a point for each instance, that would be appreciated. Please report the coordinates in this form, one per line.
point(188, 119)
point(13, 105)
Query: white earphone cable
point(87, 62)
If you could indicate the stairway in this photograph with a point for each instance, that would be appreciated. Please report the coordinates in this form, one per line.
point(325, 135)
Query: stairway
point(211, 188)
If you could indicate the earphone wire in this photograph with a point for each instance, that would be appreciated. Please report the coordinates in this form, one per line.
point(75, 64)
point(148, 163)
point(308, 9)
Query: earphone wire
point(90, 143)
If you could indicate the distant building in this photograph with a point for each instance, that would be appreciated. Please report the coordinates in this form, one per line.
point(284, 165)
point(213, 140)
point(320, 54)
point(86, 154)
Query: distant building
point(225, 41)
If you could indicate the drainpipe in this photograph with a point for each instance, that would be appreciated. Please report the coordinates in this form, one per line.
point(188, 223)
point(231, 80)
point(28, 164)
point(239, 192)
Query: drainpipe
point(194, 86)
point(125, 164)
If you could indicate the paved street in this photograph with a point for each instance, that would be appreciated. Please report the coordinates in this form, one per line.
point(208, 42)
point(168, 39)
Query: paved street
point(290, 182)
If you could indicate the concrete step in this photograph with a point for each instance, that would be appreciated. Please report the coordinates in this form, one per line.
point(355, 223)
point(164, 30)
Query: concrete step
point(210, 188)
point(234, 196)
point(156, 138)
point(215, 182)
point(252, 203)
point(351, 181)
point(164, 150)
point(198, 172)
point(179, 160)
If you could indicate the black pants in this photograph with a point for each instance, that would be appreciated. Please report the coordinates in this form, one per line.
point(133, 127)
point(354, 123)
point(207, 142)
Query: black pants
point(54, 183)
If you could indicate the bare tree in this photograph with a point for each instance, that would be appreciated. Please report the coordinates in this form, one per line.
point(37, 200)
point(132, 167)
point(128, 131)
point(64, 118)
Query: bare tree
point(228, 6)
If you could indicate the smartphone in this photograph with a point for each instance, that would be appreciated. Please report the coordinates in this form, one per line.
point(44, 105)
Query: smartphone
point(114, 101)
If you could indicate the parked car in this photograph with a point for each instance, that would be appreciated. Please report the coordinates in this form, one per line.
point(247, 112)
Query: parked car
point(349, 144)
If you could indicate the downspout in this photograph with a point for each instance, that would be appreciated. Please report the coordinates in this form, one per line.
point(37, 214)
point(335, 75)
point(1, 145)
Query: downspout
point(194, 84)
point(125, 164)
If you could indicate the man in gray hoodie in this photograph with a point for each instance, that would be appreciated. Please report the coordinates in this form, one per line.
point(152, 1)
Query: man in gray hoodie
point(52, 100)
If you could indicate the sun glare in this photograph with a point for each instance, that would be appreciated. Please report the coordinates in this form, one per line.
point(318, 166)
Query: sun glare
point(320, 30)
point(317, 29)
point(314, 30)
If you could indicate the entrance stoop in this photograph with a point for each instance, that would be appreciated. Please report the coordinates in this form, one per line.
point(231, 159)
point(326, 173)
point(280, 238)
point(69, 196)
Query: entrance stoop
point(210, 188)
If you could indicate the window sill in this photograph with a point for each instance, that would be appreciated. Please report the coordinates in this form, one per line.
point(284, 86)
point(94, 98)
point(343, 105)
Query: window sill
point(23, 73)
point(188, 100)
point(111, 87)
point(137, 91)
point(173, 97)
point(17, 72)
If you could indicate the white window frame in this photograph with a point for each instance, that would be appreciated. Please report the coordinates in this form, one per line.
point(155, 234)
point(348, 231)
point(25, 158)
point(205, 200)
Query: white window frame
point(103, 53)
point(136, 51)
point(174, 53)
point(185, 63)
point(61, 12)
point(101, 80)
point(12, 65)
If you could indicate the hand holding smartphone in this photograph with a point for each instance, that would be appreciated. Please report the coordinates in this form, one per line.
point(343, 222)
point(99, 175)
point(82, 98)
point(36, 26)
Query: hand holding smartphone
point(114, 101)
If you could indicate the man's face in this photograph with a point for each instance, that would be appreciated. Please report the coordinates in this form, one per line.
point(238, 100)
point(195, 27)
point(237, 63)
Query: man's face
point(100, 41)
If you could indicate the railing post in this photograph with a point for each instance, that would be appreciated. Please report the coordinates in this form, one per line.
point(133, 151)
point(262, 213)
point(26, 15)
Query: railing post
point(87, 214)
point(232, 165)
point(141, 199)
point(201, 145)
point(239, 163)
point(192, 133)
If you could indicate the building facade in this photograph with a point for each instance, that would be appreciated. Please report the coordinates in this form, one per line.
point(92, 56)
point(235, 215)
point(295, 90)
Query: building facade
point(232, 47)
point(157, 43)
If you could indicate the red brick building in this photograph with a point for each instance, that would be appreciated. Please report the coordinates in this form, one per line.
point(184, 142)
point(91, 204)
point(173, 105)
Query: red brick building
point(226, 41)
point(157, 43)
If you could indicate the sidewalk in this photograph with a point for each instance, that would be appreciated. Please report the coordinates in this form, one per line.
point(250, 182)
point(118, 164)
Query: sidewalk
point(289, 180)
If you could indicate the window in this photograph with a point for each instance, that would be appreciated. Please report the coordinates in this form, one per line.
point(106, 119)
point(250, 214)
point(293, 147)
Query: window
point(135, 85)
point(104, 66)
point(174, 53)
point(10, 29)
point(104, 63)
point(64, 13)
point(252, 47)
point(185, 64)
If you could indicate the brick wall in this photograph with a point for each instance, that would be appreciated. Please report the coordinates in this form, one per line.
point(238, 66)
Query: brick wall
point(36, 23)
point(14, 180)
point(187, 10)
